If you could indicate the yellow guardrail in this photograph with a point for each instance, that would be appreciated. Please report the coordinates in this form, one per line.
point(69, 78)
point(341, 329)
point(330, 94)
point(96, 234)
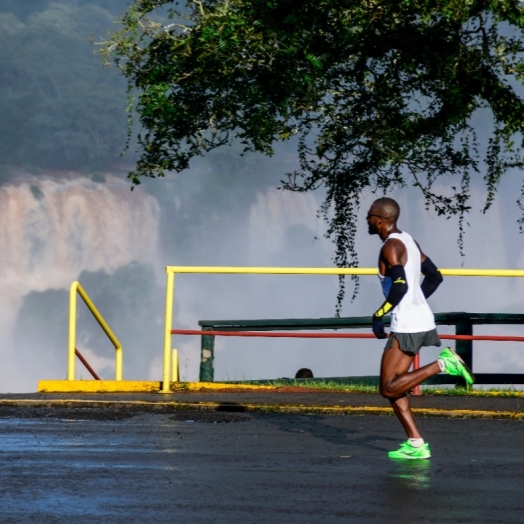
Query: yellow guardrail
point(75, 289)
point(172, 270)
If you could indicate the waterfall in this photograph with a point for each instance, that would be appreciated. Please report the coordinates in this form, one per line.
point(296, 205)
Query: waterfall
point(52, 229)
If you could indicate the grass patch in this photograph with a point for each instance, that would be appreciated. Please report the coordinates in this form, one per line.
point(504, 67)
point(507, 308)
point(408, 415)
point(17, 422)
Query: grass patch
point(354, 387)
point(472, 392)
point(323, 384)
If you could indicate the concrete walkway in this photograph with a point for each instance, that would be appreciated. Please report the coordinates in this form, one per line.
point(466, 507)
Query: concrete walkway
point(284, 400)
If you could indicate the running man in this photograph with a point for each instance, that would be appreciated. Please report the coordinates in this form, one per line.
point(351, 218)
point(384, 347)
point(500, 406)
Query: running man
point(412, 322)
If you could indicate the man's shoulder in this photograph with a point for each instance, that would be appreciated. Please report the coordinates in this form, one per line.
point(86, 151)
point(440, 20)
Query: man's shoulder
point(394, 242)
point(400, 235)
point(403, 238)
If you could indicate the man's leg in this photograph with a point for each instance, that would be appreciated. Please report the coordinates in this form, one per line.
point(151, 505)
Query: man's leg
point(395, 380)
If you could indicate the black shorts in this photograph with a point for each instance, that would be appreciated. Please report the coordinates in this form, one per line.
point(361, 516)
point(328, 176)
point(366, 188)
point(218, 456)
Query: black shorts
point(412, 342)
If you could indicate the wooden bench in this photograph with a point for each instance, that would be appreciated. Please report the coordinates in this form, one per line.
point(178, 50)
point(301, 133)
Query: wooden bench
point(462, 321)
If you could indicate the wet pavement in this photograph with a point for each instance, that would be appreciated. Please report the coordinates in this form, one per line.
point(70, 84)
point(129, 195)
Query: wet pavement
point(110, 463)
point(94, 466)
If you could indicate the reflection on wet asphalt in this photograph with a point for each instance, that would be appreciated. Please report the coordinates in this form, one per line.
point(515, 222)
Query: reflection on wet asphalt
point(237, 467)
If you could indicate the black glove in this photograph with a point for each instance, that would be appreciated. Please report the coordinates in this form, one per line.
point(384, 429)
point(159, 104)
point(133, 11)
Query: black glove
point(378, 327)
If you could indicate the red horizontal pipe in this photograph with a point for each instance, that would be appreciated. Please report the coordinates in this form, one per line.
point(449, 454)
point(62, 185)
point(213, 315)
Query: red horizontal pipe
point(270, 334)
point(494, 338)
point(328, 335)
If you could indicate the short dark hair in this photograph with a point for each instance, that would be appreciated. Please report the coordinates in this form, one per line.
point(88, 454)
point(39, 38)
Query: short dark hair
point(304, 373)
point(389, 207)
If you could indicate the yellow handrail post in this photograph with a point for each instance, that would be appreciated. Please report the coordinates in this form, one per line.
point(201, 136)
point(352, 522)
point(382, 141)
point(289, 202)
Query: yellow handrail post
point(72, 332)
point(119, 363)
point(170, 291)
point(174, 366)
point(73, 290)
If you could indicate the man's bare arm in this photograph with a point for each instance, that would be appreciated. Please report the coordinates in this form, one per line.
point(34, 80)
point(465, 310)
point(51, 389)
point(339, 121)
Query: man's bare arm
point(432, 276)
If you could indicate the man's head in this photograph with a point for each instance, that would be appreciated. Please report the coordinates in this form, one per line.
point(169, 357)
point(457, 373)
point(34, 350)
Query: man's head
point(382, 216)
point(304, 373)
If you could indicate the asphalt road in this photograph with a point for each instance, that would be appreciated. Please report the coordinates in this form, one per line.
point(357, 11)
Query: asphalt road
point(104, 465)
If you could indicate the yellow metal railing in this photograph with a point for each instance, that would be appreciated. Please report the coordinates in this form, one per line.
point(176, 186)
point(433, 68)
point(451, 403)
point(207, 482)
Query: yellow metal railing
point(170, 288)
point(175, 375)
point(75, 289)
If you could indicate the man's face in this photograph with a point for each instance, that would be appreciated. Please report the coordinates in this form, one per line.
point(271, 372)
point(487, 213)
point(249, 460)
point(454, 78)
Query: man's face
point(372, 220)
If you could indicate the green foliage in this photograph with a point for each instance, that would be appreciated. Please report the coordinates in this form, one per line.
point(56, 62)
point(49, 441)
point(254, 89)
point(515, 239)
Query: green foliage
point(59, 107)
point(379, 94)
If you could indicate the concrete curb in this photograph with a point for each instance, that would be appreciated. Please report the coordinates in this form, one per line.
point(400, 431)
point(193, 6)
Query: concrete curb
point(137, 386)
point(168, 406)
point(154, 386)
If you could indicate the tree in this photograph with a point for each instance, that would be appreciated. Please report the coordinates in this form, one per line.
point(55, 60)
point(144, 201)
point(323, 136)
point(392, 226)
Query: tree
point(376, 93)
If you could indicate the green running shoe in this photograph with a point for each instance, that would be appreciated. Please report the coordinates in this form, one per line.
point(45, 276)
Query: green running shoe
point(407, 451)
point(454, 365)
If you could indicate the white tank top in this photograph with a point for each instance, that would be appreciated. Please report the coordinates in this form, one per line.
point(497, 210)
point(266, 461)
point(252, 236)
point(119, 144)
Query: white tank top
point(412, 314)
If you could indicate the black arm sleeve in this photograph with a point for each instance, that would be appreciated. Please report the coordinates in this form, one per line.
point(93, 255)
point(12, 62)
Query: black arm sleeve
point(432, 277)
point(398, 289)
